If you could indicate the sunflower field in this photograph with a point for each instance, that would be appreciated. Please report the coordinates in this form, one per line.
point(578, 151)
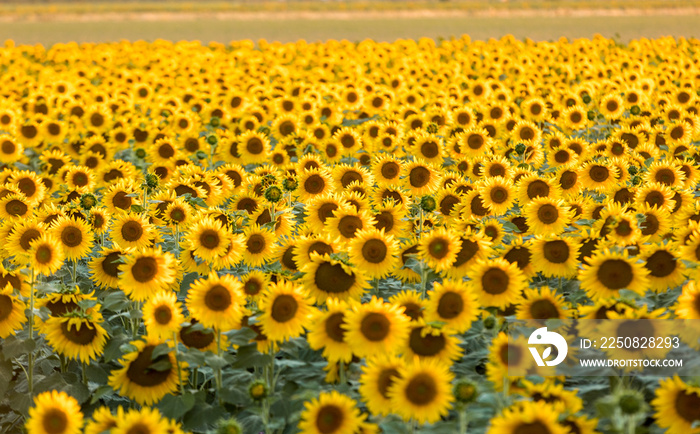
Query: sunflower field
point(328, 238)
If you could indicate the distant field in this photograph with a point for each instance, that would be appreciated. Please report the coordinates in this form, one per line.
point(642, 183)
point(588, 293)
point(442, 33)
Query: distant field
point(382, 29)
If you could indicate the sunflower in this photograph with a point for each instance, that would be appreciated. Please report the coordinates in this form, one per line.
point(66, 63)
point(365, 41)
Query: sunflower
point(668, 174)
point(598, 175)
point(255, 284)
point(421, 178)
point(208, 239)
point(378, 375)
point(45, 255)
point(119, 197)
point(454, 303)
point(422, 391)
point(331, 413)
point(666, 270)
point(326, 332)
point(531, 417)
point(77, 337)
point(285, 310)
point(216, 301)
point(12, 315)
point(439, 249)
point(374, 252)
point(30, 185)
point(313, 182)
point(19, 240)
point(612, 106)
point(580, 424)
point(546, 216)
point(329, 278)
point(473, 247)
point(507, 355)
point(162, 315)
point(497, 194)
point(426, 342)
point(143, 421)
point(144, 378)
point(375, 327)
point(607, 272)
point(390, 218)
point(131, 231)
point(11, 150)
point(533, 186)
point(75, 236)
point(14, 206)
point(677, 405)
point(688, 303)
point(412, 303)
point(55, 412)
point(555, 256)
point(542, 304)
point(347, 222)
point(258, 245)
point(474, 142)
point(254, 148)
point(497, 282)
point(387, 169)
point(103, 420)
point(104, 268)
point(143, 273)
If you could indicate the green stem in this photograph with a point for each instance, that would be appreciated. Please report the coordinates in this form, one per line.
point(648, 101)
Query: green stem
point(420, 222)
point(83, 370)
point(463, 422)
point(423, 280)
point(177, 363)
point(63, 363)
point(631, 426)
point(218, 368)
point(75, 272)
point(342, 373)
point(195, 375)
point(177, 241)
point(30, 356)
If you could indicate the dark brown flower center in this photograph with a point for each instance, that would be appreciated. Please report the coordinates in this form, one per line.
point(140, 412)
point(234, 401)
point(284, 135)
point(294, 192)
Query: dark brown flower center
point(16, 207)
point(27, 237)
point(519, 256)
point(85, 336)
point(498, 194)
point(475, 141)
point(110, 264)
point(254, 145)
point(375, 326)
point(217, 298)
point(390, 170)
point(419, 176)
point(665, 176)
point(687, 405)
point(144, 269)
point(5, 306)
point(439, 248)
point(495, 281)
point(349, 225)
point(599, 173)
point(209, 239)
point(140, 371)
point(121, 200)
point(537, 188)
point(385, 379)
point(413, 310)
point(543, 309)
point(421, 390)
point(428, 345)
point(163, 315)
point(661, 263)
point(333, 327)
point(54, 421)
point(329, 419)
point(451, 304)
point(256, 244)
point(8, 147)
point(548, 214)
point(44, 254)
point(71, 236)
point(333, 278)
point(535, 427)
point(132, 231)
point(374, 251)
point(284, 308)
point(314, 184)
point(556, 251)
point(195, 339)
point(430, 149)
point(615, 274)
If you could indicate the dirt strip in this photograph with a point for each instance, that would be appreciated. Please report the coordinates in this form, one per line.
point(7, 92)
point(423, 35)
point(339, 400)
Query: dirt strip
point(339, 15)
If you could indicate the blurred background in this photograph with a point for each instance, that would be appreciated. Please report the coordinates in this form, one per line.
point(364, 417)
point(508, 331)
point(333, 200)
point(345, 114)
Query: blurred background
point(50, 21)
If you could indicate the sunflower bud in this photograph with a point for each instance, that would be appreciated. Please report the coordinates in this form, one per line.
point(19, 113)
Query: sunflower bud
point(152, 181)
point(635, 110)
point(87, 201)
point(140, 153)
point(212, 140)
point(229, 426)
point(591, 115)
point(215, 122)
point(631, 402)
point(273, 194)
point(432, 128)
point(258, 390)
point(586, 99)
point(465, 391)
point(632, 170)
point(520, 149)
point(490, 322)
point(290, 184)
point(428, 203)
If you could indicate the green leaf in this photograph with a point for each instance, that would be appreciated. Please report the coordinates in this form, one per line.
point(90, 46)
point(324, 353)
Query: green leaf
point(78, 391)
point(127, 348)
point(13, 347)
point(174, 407)
point(99, 393)
point(163, 365)
point(241, 336)
point(160, 350)
point(235, 396)
point(137, 209)
point(115, 301)
point(249, 357)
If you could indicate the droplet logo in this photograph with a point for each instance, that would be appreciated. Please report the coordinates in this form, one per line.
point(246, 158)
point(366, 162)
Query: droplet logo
point(543, 337)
